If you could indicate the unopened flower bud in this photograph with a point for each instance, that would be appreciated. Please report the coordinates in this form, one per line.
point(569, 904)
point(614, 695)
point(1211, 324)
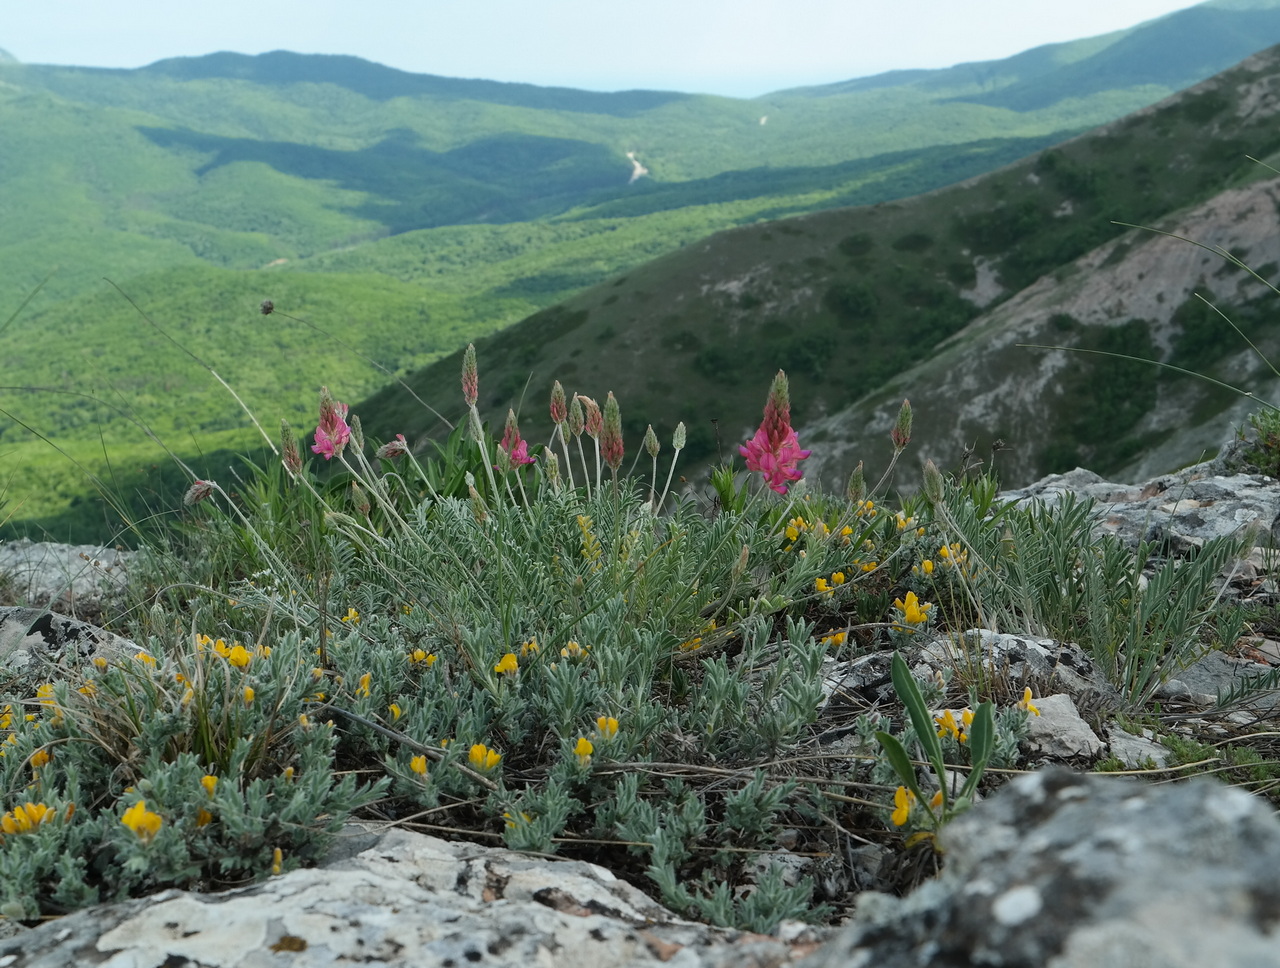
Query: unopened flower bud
point(393, 448)
point(197, 492)
point(651, 442)
point(360, 499)
point(594, 421)
point(553, 468)
point(559, 408)
point(611, 434)
point(470, 376)
point(932, 485)
point(576, 419)
point(857, 488)
point(290, 453)
point(357, 433)
point(901, 432)
point(677, 439)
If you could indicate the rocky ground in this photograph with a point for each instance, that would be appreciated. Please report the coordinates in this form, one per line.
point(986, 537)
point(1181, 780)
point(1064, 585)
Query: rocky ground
point(1055, 868)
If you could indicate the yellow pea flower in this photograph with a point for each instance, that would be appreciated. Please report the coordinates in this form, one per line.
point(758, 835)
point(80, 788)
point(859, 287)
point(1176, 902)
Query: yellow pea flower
point(209, 782)
point(583, 751)
point(142, 821)
point(607, 727)
point(1026, 704)
point(482, 758)
point(903, 801)
point(419, 765)
point(507, 665)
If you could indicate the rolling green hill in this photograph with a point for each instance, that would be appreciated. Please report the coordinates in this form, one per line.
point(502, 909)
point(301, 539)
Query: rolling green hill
point(406, 214)
point(852, 301)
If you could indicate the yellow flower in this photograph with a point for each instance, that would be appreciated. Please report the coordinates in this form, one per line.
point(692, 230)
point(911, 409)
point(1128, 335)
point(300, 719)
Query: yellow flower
point(277, 861)
point(834, 639)
point(203, 817)
point(822, 586)
point(145, 659)
point(142, 821)
point(209, 782)
point(870, 565)
point(574, 651)
point(187, 696)
point(583, 751)
point(6, 717)
point(607, 727)
point(100, 662)
point(394, 709)
point(304, 721)
point(239, 656)
point(363, 688)
point(420, 655)
point(262, 651)
point(288, 773)
point(837, 578)
point(914, 612)
point(352, 616)
point(419, 765)
point(1026, 705)
point(846, 534)
point(924, 568)
point(221, 648)
point(794, 527)
point(529, 648)
point(936, 801)
point(511, 823)
point(507, 665)
point(903, 801)
point(40, 758)
point(947, 725)
point(483, 758)
point(248, 695)
point(25, 818)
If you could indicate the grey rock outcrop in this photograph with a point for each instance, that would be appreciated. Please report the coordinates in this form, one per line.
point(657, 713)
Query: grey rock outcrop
point(71, 579)
point(1060, 870)
point(408, 900)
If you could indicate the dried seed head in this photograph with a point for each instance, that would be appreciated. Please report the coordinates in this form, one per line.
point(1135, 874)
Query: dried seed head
point(267, 307)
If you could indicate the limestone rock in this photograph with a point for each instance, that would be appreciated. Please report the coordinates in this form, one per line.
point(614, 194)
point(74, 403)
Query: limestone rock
point(72, 579)
point(1069, 871)
point(1059, 733)
point(405, 900)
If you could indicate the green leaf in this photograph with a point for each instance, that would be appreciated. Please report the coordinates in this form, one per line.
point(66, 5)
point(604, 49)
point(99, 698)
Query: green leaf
point(982, 740)
point(904, 684)
point(900, 761)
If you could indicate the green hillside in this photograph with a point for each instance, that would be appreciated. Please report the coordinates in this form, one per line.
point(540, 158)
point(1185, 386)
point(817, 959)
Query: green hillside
point(847, 300)
point(406, 214)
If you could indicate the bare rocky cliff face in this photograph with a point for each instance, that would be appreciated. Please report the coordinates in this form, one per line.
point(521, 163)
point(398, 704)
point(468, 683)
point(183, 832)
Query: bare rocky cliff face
point(1147, 294)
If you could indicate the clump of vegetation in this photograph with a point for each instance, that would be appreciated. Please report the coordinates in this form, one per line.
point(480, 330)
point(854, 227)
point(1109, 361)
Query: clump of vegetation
point(525, 644)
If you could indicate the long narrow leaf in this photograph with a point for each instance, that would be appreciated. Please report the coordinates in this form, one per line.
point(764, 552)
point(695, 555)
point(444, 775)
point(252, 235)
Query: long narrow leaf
point(904, 684)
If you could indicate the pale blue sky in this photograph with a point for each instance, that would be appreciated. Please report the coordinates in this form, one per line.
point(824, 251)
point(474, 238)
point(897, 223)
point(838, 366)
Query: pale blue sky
point(743, 48)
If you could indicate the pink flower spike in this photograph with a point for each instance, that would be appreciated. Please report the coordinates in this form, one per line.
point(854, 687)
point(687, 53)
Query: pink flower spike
point(514, 450)
point(774, 452)
point(393, 448)
point(333, 433)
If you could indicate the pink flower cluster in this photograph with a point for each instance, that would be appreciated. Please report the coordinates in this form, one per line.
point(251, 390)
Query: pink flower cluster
point(513, 448)
point(333, 433)
point(774, 451)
